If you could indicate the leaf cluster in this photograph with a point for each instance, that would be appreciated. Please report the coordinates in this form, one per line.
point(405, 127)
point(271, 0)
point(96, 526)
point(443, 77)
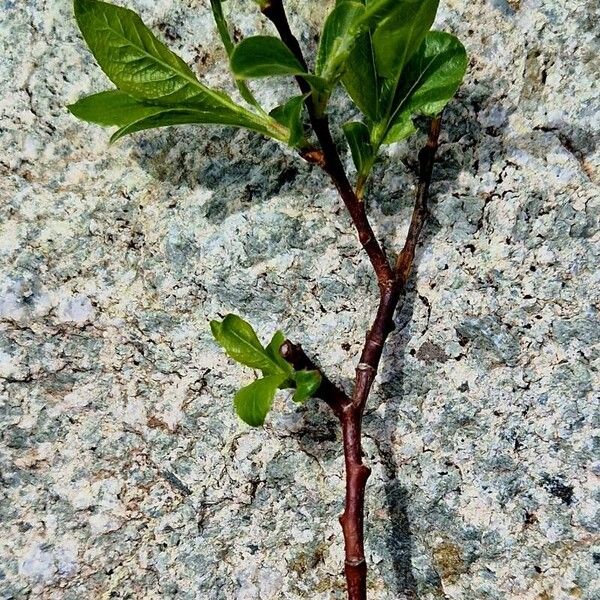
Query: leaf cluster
point(382, 52)
point(154, 86)
point(240, 342)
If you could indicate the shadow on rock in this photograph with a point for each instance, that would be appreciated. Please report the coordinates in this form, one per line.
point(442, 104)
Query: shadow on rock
point(468, 140)
point(398, 540)
point(240, 167)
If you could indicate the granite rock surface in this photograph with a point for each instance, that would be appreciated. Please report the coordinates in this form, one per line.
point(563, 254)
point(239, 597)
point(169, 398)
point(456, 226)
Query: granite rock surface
point(124, 472)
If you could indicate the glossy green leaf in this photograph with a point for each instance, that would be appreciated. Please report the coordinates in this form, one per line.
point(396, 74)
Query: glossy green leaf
point(112, 108)
point(272, 350)
point(430, 79)
point(264, 56)
point(359, 140)
point(290, 115)
point(143, 68)
point(400, 130)
point(376, 11)
point(188, 116)
point(360, 79)
point(253, 402)
point(137, 62)
point(267, 56)
point(337, 40)
point(239, 340)
point(117, 108)
point(400, 34)
point(307, 383)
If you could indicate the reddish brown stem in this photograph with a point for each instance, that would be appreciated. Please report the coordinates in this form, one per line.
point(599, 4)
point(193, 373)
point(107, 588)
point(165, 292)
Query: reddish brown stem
point(392, 283)
point(356, 472)
point(350, 412)
point(426, 162)
point(352, 519)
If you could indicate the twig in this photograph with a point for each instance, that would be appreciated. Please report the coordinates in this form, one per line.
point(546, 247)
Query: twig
point(350, 412)
point(426, 162)
point(392, 282)
point(356, 472)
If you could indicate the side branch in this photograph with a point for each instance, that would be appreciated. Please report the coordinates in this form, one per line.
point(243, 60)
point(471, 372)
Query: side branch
point(426, 160)
point(331, 162)
point(330, 393)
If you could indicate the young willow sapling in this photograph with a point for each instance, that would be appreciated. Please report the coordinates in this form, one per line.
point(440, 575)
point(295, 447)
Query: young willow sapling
point(393, 67)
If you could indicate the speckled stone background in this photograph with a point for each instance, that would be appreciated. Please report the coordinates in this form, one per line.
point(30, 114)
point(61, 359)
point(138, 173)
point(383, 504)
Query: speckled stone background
point(124, 472)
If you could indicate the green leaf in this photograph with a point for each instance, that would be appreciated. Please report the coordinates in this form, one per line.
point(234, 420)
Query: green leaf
point(360, 80)
point(400, 34)
point(267, 56)
point(144, 68)
point(137, 62)
point(337, 40)
point(359, 140)
point(253, 402)
point(376, 11)
point(112, 108)
point(429, 81)
point(239, 340)
point(307, 383)
point(290, 115)
point(117, 108)
point(346, 50)
point(273, 352)
point(400, 130)
point(264, 56)
point(185, 116)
